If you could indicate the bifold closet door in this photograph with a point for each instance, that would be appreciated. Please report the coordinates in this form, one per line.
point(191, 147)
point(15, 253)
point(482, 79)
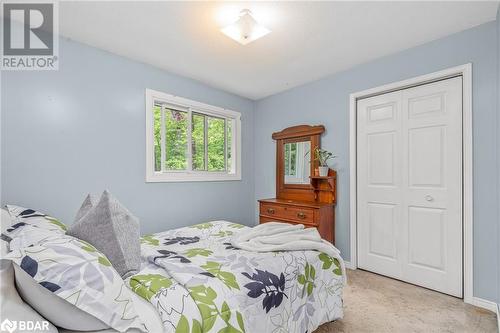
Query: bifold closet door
point(409, 185)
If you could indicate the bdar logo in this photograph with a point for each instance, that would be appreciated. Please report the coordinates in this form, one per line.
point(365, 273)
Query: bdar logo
point(24, 325)
point(8, 326)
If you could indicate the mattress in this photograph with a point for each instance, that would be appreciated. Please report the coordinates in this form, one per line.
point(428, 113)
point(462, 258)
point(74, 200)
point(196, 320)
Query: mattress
point(196, 281)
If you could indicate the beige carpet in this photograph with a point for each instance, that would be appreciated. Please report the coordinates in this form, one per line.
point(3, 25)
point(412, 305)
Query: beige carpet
point(373, 303)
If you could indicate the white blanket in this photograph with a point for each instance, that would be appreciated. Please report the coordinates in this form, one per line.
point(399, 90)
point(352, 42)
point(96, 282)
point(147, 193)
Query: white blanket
point(277, 236)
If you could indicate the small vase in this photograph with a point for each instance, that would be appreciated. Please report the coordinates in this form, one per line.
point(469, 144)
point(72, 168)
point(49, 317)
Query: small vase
point(323, 171)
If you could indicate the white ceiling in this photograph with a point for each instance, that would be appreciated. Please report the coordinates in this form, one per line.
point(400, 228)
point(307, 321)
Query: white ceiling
point(309, 40)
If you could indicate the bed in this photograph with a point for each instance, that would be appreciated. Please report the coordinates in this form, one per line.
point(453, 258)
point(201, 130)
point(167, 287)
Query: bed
point(198, 282)
point(191, 279)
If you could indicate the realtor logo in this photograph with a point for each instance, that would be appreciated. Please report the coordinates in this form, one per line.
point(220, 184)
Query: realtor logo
point(29, 36)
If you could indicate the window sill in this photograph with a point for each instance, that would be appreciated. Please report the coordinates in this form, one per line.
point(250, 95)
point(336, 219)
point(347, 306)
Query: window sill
point(158, 177)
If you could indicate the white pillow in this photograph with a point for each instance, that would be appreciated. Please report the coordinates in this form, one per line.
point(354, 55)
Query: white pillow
point(60, 312)
point(5, 221)
point(75, 273)
point(13, 307)
point(22, 216)
point(30, 236)
point(69, 317)
point(145, 309)
point(50, 268)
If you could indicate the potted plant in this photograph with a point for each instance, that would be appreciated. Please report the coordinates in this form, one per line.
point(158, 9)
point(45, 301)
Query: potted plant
point(322, 156)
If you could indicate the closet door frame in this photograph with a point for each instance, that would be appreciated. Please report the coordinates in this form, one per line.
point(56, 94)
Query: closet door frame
point(466, 72)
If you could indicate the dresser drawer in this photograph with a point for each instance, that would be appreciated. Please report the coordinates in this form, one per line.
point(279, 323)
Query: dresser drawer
point(265, 219)
point(292, 213)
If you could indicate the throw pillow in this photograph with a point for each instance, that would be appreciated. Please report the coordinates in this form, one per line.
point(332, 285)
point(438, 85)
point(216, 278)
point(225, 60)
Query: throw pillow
point(114, 231)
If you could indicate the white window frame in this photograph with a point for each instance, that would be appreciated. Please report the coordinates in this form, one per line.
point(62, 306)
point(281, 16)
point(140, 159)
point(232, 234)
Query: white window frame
point(190, 106)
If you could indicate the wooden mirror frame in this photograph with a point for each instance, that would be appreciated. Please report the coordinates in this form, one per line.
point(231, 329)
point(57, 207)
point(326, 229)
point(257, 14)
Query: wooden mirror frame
point(300, 192)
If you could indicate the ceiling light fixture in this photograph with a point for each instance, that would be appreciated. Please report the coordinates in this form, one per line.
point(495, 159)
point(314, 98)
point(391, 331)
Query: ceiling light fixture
point(246, 29)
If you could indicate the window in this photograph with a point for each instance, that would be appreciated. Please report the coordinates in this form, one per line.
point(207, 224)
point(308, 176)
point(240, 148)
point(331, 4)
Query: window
point(190, 141)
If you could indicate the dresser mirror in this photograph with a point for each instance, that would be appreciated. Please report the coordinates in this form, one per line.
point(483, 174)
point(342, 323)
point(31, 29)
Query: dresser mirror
point(302, 197)
point(294, 162)
point(297, 162)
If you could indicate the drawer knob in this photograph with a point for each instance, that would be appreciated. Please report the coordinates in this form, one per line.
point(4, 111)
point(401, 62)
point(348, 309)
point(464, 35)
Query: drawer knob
point(270, 210)
point(301, 215)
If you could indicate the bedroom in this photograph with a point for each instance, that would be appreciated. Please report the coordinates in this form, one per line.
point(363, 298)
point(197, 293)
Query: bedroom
point(127, 128)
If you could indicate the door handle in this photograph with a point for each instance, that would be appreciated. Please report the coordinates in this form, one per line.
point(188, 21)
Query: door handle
point(270, 210)
point(429, 197)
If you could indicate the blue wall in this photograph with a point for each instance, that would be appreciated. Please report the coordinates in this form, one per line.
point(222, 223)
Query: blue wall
point(327, 102)
point(81, 129)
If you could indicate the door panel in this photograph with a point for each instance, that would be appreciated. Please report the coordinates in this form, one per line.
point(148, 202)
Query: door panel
point(409, 183)
point(379, 128)
point(437, 190)
point(427, 105)
point(426, 237)
point(381, 225)
point(381, 112)
point(381, 158)
point(426, 154)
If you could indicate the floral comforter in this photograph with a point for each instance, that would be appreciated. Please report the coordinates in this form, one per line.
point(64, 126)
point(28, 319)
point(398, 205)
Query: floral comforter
point(198, 282)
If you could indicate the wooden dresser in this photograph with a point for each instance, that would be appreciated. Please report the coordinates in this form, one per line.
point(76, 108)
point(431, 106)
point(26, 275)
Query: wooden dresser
point(302, 197)
point(310, 214)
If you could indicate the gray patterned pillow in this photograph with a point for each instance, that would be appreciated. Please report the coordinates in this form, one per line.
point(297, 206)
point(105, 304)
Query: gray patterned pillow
point(114, 231)
point(89, 203)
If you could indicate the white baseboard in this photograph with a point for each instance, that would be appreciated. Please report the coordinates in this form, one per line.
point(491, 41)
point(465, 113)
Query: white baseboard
point(349, 265)
point(488, 305)
point(485, 304)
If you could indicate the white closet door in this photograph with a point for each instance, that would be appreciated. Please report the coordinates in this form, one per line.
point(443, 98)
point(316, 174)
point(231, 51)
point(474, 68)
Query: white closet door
point(410, 185)
point(380, 183)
